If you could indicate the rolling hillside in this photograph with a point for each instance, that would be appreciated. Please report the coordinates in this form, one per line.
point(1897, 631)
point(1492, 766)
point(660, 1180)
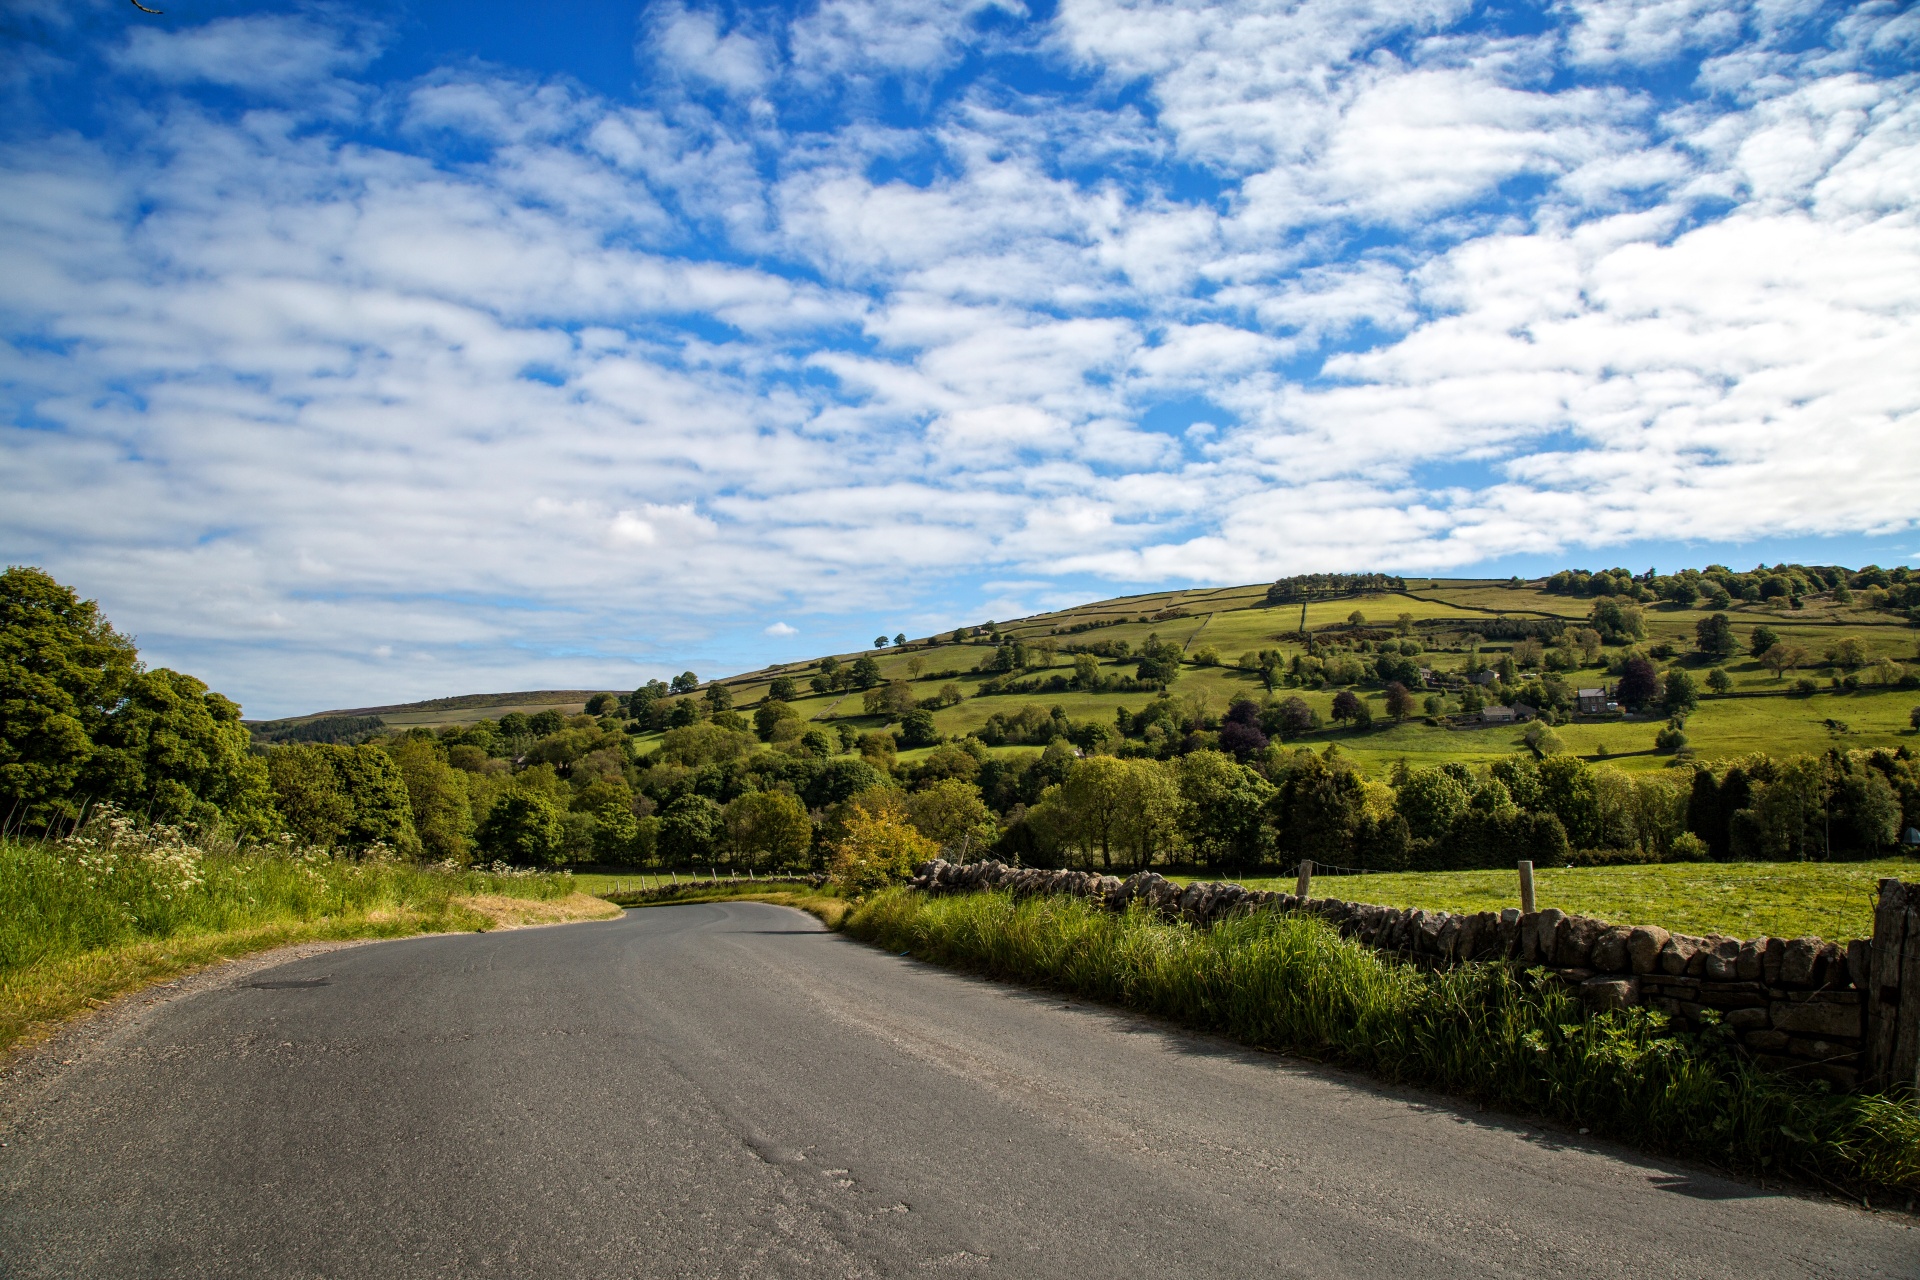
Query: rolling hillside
point(1450, 622)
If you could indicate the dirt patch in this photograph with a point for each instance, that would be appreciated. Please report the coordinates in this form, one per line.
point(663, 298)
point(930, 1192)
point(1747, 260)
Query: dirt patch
point(521, 913)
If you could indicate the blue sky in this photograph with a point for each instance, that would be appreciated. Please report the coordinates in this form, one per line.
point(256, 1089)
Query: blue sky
point(356, 354)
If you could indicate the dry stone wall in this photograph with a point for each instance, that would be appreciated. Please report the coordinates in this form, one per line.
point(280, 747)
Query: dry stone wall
point(1796, 1003)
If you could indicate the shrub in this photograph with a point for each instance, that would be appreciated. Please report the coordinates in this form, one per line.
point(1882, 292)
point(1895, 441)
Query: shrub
point(880, 848)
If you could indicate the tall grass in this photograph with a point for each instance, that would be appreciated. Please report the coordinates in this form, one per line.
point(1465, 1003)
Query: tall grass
point(1517, 1040)
point(101, 912)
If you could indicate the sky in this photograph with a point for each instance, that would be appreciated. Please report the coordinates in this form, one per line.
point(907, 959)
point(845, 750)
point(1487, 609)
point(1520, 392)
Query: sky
point(361, 353)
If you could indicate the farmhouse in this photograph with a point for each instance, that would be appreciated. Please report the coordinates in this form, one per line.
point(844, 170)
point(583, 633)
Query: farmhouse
point(1497, 715)
point(1593, 702)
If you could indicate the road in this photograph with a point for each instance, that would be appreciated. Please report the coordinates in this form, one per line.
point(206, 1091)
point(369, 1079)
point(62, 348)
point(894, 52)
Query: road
point(732, 1091)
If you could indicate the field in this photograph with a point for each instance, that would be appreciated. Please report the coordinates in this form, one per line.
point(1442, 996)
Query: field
point(1762, 713)
point(1832, 900)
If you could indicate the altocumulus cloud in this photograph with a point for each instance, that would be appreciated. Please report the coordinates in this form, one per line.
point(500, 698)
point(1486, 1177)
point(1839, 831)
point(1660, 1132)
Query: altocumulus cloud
point(866, 308)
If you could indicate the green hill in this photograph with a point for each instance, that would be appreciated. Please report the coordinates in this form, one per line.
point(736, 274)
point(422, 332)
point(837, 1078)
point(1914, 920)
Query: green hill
point(1862, 697)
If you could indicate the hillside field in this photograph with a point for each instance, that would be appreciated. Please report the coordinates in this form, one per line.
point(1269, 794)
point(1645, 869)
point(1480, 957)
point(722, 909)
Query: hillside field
point(1762, 712)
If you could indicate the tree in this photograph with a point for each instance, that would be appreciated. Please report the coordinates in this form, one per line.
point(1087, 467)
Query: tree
point(63, 668)
point(524, 827)
point(1616, 621)
point(1713, 636)
point(1639, 683)
point(900, 640)
point(878, 749)
point(1430, 800)
point(438, 796)
point(891, 700)
point(1223, 808)
point(1347, 705)
point(640, 702)
point(1400, 701)
point(686, 682)
point(782, 689)
point(880, 642)
point(542, 723)
point(880, 848)
point(1679, 695)
point(174, 751)
point(1086, 671)
point(1848, 654)
point(601, 703)
point(1761, 639)
point(768, 715)
point(952, 814)
point(918, 730)
point(1289, 718)
point(690, 827)
point(1404, 624)
point(770, 829)
point(1159, 661)
point(1913, 719)
point(340, 796)
point(1719, 681)
point(1781, 658)
point(1682, 592)
point(865, 672)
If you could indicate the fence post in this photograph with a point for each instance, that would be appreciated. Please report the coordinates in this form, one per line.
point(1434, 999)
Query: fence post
point(1893, 990)
point(1306, 879)
point(1526, 887)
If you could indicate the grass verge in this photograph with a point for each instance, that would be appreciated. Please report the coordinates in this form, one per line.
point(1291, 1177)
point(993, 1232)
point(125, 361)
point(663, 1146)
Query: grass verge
point(1484, 1031)
point(83, 922)
point(1832, 900)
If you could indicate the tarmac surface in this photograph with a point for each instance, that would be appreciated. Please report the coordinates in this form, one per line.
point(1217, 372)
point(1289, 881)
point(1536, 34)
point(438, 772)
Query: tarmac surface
point(730, 1090)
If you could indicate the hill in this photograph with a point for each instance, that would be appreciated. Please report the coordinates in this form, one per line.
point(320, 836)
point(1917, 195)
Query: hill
point(1847, 639)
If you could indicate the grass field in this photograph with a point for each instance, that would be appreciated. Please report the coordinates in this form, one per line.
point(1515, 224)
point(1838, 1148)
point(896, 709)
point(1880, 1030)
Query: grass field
point(1831, 900)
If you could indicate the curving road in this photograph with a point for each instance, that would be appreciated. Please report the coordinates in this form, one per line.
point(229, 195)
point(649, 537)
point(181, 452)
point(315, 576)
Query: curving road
point(732, 1091)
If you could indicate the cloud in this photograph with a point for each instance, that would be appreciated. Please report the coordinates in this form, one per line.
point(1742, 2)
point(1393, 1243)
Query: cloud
point(854, 314)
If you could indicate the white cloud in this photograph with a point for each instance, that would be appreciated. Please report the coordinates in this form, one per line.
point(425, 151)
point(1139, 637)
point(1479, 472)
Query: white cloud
point(496, 373)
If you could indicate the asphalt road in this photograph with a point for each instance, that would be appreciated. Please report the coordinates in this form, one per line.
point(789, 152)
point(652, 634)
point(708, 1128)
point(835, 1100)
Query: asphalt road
point(731, 1091)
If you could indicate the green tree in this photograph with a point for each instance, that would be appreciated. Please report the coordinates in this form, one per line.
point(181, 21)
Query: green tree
point(1223, 808)
point(782, 689)
point(880, 642)
point(173, 751)
point(690, 827)
point(341, 796)
point(685, 682)
point(770, 830)
point(952, 815)
point(542, 723)
point(1400, 701)
point(1429, 800)
point(438, 796)
point(1719, 681)
point(917, 729)
point(865, 672)
point(1679, 695)
point(719, 698)
point(524, 827)
point(601, 703)
point(63, 668)
point(768, 715)
point(1713, 636)
point(1761, 639)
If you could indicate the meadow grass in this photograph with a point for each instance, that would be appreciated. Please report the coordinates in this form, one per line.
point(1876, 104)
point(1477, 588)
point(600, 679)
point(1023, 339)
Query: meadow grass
point(81, 922)
point(1832, 900)
point(1516, 1040)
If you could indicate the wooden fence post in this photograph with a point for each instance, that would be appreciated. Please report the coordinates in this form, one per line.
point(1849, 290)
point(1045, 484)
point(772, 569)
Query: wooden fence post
point(1526, 887)
point(1306, 879)
point(1893, 991)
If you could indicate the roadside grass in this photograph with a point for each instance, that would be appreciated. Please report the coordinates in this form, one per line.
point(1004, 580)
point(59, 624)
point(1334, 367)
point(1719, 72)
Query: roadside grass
point(1516, 1040)
point(1832, 900)
point(82, 923)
